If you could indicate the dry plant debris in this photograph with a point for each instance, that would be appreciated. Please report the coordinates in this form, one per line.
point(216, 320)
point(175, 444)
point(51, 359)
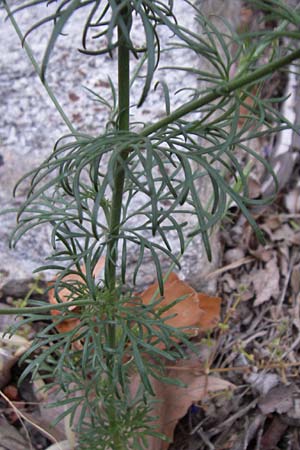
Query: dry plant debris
point(258, 340)
point(196, 310)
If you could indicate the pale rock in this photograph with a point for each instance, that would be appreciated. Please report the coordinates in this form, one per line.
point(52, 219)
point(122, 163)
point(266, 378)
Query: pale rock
point(30, 127)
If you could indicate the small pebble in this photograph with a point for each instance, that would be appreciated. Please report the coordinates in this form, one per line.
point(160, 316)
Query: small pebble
point(233, 254)
point(11, 392)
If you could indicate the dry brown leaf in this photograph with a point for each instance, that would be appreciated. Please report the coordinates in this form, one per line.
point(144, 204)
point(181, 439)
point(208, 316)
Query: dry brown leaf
point(272, 223)
point(287, 234)
point(10, 437)
point(174, 401)
point(262, 253)
point(195, 310)
point(279, 399)
point(266, 282)
point(273, 434)
point(210, 307)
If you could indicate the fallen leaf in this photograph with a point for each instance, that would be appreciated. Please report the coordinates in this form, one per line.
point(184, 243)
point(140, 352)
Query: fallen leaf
point(272, 223)
point(262, 253)
point(287, 234)
point(279, 399)
point(174, 401)
point(195, 310)
point(273, 435)
point(45, 415)
point(10, 437)
point(294, 413)
point(210, 307)
point(266, 282)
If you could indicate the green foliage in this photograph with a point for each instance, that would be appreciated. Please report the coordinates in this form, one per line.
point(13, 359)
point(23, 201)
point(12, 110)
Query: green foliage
point(86, 187)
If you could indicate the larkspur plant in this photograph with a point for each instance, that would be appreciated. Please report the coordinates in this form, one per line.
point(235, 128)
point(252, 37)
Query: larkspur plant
point(86, 187)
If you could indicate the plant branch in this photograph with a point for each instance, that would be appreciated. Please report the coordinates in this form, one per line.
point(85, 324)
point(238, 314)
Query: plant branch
point(224, 89)
point(46, 308)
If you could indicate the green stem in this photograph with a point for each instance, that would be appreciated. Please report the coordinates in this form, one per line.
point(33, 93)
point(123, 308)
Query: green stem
point(38, 70)
point(119, 175)
point(116, 205)
point(224, 89)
